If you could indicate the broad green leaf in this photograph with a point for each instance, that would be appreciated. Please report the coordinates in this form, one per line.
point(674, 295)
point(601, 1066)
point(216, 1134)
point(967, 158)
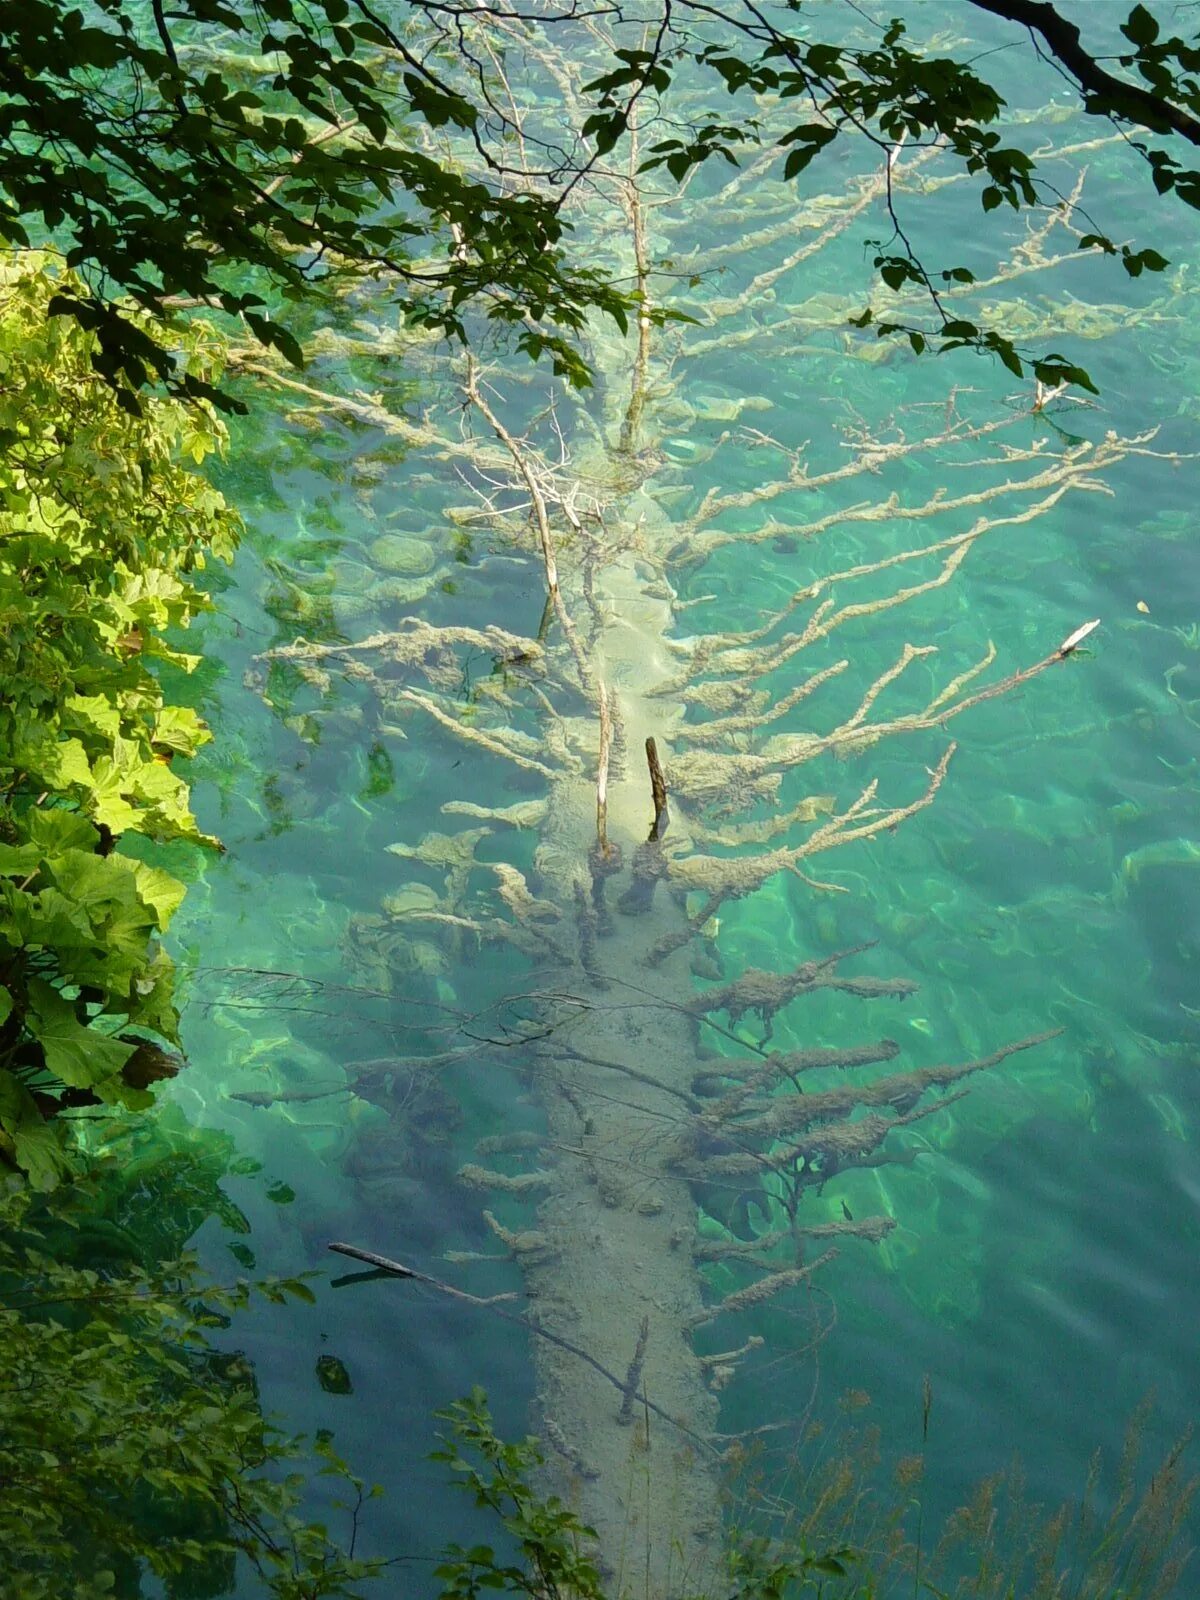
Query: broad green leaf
point(54, 828)
point(40, 1151)
point(151, 1003)
point(94, 711)
point(180, 728)
point(75, 1054)
point(37, 1147)
point(108, 802)
point(160, 891)
point(71, 765)
point(19, 860)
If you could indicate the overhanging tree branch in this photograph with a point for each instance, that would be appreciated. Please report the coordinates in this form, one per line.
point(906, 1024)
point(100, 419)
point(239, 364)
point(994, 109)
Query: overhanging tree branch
point(1103, 93)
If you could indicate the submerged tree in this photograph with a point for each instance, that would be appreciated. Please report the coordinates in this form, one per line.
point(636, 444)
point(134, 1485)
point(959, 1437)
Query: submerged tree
point(639, 764)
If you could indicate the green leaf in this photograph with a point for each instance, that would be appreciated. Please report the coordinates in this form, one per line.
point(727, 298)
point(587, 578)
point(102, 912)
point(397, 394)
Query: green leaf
point(40, 1152)
point(19, 860)
point(160, 891)
point(152, 997)
point(54, 829)
point(797, 160)
point(1140, 28)
point(179, 728)
point(108, 799)
point(71, 766)
point(95, 712)
point(76, 1055)
point(35, 1145)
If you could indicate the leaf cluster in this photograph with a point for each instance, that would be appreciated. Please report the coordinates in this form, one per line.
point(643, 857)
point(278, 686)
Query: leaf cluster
point(225, 154)
point(102, 531)
point(129, 1447)
point(894, 95)
point(850, 1536)
point(550, 1537)
point(245, 155)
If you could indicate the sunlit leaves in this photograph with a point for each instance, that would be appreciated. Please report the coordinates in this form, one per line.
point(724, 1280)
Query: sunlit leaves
point(244, 157)
point(100, 529)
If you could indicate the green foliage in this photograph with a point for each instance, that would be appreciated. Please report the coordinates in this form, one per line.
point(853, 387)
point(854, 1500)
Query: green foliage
point(132, 1453)
point(890, 93)
point(849, 1535)
point(101, 529)
point(239, 155)
point(203, 151)
point(551, 1539)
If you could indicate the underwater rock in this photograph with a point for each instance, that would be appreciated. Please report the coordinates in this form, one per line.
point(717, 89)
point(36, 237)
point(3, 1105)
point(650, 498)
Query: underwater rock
point(398, 554)
point(410, 897)
point(351, 577)
point(333, 1375)
point(403, 591)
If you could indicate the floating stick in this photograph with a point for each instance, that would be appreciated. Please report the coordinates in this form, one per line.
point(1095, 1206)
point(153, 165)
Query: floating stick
point(1074, 640)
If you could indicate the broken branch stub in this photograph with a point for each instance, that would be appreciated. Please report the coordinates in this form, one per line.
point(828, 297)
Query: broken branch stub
point(658, 791)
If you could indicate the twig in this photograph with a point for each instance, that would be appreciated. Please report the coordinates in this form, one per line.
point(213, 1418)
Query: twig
point(606, 735)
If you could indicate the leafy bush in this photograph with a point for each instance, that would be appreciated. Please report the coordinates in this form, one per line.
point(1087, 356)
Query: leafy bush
point(551, 1539)
point(101, 528)
point(129, 1445)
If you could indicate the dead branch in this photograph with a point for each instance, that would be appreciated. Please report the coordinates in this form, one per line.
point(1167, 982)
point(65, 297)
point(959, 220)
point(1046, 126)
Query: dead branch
point(765, 1289)
point(765, 993)
point(633, 1377)
point(658, 790)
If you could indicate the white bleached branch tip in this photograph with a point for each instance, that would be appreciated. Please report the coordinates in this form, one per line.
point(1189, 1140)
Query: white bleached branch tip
point(1074, 640)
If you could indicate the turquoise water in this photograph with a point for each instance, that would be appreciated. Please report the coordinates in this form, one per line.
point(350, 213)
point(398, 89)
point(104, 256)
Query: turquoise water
point(1041, 1270)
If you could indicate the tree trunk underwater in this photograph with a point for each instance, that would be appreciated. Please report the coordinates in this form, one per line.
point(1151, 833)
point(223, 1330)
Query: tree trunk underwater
point(653, 1093)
